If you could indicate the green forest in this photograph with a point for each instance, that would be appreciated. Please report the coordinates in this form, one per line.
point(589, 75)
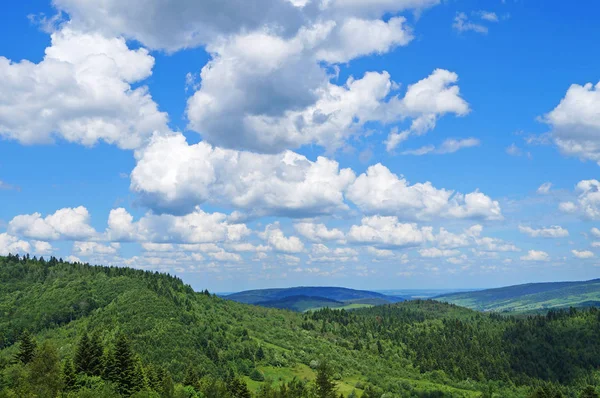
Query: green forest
point(76, 330)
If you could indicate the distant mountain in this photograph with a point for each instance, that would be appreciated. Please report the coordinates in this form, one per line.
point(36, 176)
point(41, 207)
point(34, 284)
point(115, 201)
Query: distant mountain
point(531, 297)
point(311, 297)
point(301, 303)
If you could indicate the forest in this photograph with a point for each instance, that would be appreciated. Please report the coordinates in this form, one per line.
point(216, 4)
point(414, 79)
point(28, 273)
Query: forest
point(76, 330)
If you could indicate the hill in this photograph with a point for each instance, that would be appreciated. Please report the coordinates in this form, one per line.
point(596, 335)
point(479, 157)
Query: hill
point(532, 297)
point(301, 303)
point(330, 297)
point(155, 334)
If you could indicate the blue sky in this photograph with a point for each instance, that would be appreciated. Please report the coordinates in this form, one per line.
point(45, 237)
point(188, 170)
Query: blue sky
point(369, 144)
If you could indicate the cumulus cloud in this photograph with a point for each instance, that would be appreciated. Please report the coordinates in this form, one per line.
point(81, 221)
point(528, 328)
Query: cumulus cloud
point(318, 232)
point(536, 255)
point(582, 254)
point(554, 231)
point(426, 101)
point(448, 146)
point(87, 249)
point(195, 227)
point(575, 122)
point(388, 231)
point(588, 200)
point(434, 252)
point(380, 191)
point(323, 254)
point(64, 224)
point(13, 245)
point(171, 175)
point(80, 92)
point(276, 238)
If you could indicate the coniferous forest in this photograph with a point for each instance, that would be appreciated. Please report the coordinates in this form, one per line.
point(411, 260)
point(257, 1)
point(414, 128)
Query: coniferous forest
point(75, 330)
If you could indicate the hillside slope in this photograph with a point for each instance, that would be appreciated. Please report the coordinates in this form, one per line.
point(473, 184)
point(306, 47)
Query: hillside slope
point(416, 348)
point(533, 297)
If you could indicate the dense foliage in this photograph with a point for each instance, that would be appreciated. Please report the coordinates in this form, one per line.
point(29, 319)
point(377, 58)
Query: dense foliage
point(78, 330)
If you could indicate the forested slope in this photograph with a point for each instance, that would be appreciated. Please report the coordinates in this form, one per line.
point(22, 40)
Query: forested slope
point(529, 298)
point(153, 336)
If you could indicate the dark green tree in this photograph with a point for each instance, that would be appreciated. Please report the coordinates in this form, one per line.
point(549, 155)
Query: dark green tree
point(69, 376)
point(27, 348)
point(124, 365)
point(325, 385)
point(82, 357)
point(589, 392)
point(260, 354)
point(96, 352)
point(238, 389)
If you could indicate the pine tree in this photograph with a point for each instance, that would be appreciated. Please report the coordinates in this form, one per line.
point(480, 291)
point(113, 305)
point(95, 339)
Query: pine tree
point(325, 385)
point(260, 354)
point(124, 365)
point(27, 348)
point(140, 382)
point(82, 355)
point(238, 389)
point(96, 352)
point(69, 377)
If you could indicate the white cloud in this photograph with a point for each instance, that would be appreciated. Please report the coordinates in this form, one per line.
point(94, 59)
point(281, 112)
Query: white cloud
point(544, 189)
point(463, 24)
point(567, 207)
point(64, 224)
point(357, 37)
point(42, 248)
point(318, 232)
point(87, 249)
point(196, 227)
point(172, 175)
point(80, 92)
point(323, 254)
point(588, 201)
point(575, 122)
point(448, 146)
point(13, 245)
point(596, 232)
point(554, 231)
point(381, 191)
point(224, 256)
point(179, 24)
point(387, 231)
point(487, 15)
point(582, 254)
point(275, 237)
point(426, 101)
point(535, 255)
point(247, 247)
point(434, 252)
point(380, 253)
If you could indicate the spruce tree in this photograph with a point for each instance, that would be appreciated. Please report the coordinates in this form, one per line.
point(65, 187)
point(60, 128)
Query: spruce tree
point(27, 348)
point(96, 352)
point(69, 377)
point(124, 365)
point(82, 355)
point(326, 387)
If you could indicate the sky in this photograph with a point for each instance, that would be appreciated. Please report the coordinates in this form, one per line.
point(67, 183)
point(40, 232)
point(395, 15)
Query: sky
point(375, 144)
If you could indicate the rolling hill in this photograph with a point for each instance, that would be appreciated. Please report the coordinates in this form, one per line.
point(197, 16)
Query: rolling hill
point(529, 298)
point(311, 297)
point(157, 337)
